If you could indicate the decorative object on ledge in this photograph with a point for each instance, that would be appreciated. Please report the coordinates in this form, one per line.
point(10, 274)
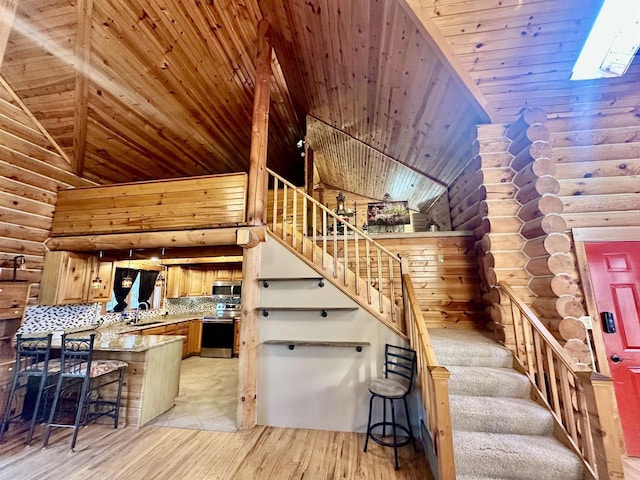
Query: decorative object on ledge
point(292, 344)
point(432, 226)
point(127, 281)
point(19, 263)
point(388, 216)
point(346, 214)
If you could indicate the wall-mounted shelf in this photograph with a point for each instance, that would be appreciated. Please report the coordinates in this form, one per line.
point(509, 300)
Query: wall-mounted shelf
point(292, 344)
point(265, 281)
point(323, 311)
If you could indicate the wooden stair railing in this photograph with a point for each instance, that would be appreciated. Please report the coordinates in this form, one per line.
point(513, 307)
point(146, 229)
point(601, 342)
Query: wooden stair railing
point(582, 401)
point(353, 261)
point(434, 382)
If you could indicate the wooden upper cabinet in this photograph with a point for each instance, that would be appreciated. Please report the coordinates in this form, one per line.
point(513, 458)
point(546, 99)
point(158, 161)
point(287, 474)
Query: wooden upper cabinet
point(105, 271)
point(176, 284)
point(195, 282)
point(66, 278)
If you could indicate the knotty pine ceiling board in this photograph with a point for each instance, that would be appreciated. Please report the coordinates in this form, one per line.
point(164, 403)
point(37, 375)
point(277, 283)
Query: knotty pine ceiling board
point(350, 165)
point(170, 86)
point(520, 53)
point(364, 68)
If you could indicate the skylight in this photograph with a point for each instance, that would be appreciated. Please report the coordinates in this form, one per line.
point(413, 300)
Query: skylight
point(612, 42)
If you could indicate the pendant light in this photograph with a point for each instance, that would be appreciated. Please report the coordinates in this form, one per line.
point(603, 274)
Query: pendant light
point(96, 283)
point(160, 278)
point(127, 281)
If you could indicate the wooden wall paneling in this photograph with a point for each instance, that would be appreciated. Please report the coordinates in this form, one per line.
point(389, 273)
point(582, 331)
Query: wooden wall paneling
point(7, 14)
point(200, 202)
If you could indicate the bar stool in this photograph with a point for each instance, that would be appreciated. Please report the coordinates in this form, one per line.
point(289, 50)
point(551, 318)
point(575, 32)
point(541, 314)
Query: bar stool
point(399, 367)
point(79, 371)
point(32, 362)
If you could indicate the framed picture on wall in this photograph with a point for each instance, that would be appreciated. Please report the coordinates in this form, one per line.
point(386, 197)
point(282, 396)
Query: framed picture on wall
point(388, 216)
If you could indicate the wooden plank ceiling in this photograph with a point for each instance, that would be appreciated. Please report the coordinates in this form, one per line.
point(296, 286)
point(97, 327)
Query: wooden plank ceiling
point(144, 89)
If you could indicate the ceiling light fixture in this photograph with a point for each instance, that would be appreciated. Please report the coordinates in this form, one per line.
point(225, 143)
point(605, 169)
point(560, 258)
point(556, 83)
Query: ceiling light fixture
point(96, 283)
point(160, 278)
point(127, 281)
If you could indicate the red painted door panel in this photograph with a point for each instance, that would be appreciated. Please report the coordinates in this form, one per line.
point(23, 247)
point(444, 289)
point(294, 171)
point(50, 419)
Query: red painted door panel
point(614, 268)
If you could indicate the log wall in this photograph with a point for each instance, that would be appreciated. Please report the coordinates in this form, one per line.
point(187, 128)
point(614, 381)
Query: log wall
point(597, 163)
point(32, 173)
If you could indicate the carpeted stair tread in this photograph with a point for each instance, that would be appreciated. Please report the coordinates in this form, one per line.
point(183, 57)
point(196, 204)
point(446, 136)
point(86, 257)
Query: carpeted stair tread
point(488, 382)
point(500, 415)
point(470, 348)
point(514, 457)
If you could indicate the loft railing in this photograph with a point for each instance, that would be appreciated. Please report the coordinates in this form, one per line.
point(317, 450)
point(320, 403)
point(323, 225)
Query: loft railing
point(582, 401)
point(434, 382)
point(360, 266)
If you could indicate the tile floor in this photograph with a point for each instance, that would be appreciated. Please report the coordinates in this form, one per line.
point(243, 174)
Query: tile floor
point(207, 396)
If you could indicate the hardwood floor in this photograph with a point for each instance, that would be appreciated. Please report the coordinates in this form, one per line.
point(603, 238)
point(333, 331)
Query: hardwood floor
point(157, 453)
point(631, 468)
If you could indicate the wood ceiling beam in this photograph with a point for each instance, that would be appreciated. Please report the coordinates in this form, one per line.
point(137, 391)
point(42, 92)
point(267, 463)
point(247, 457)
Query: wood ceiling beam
point(420, 16)
point(7, 14)
point(84, 9)
point(158, 240)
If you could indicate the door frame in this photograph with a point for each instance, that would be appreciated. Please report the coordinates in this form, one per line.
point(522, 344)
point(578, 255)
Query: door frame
point(601, 235)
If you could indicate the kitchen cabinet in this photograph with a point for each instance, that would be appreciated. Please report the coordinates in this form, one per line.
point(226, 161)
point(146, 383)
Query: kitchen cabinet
point(195, 337)
point(199, 282)
point(190, 329)
point(176, 282)
point(236, 338)
point(66, 278)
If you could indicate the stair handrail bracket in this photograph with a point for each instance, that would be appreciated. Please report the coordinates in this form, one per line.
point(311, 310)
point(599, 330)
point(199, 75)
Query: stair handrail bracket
point(582, 401)
point(433, 379)
point(357, 264)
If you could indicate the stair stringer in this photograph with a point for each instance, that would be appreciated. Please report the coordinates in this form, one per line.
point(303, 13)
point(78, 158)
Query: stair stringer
point(378, 305)
point(318, 387)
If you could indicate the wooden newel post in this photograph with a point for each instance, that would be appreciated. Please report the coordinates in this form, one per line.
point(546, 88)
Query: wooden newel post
point(604, 422)
point(256, 215)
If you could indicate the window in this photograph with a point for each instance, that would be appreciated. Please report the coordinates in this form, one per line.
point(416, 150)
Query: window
point(612, 42)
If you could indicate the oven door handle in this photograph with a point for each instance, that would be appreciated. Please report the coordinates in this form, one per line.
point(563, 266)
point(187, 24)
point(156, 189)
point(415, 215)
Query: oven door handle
point(218, 320)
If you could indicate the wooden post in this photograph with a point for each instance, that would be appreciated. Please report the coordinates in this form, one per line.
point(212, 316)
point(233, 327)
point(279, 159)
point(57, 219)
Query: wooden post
point(605, 423)
point(257, 191)
point(256, 215)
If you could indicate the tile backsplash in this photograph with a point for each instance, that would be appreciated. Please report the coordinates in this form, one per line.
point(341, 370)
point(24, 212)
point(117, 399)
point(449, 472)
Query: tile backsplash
point(40, 318)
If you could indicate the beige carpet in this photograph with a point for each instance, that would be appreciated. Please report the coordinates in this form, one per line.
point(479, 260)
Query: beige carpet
point(498, 431)
point(207, 398)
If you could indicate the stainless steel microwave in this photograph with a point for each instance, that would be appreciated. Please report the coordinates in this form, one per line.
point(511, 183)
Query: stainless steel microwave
point(233, 289)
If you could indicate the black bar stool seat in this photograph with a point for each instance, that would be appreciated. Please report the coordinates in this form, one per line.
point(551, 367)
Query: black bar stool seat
point(89, 377)
point(34, 372)
point(400, 364)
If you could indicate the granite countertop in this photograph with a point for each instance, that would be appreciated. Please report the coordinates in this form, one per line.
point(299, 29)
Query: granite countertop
point(122, 337)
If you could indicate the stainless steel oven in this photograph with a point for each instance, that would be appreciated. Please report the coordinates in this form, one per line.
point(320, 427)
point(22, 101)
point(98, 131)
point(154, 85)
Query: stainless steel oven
point(218, 331)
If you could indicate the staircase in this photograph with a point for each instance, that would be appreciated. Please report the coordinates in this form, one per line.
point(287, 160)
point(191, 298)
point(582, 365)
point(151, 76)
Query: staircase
point(356, 264)
point(499, 432)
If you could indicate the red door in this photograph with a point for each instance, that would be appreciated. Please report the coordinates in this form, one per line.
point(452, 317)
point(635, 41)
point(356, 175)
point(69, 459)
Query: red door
point(614, 269)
